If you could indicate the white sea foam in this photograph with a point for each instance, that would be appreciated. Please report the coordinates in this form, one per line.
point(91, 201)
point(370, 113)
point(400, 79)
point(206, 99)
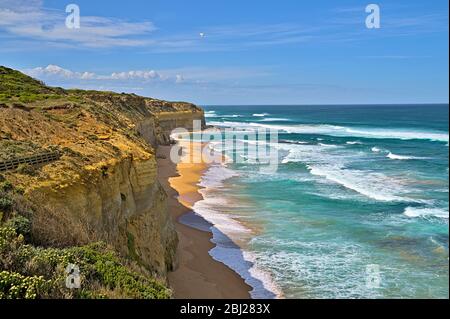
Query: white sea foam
point(260, 114)
point(330, 163)
point(426, 212)
point(217, 210)
point(354, 143)
point(263, 277)
point(315, 265)
point(293, 142)
point(373, 185)
point(340, 131)
point(209, 114)
point(402, 157)
point(215, 176)
point(327, 145)
point(243, 263)
point(231, 115)
point(274, 119)
point(213, 114)
point(376, 149)
point(226, 124)
point(400, 134)
point(207, 209)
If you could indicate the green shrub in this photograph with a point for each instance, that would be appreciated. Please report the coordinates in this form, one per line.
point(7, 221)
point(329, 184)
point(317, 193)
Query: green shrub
point(31, 272)
point(13, 204)
point(105, 266)
point(6, 203)
point(16, 286)
point(29, 98)
point(6, 186)
point(20, 224)
point(5, 96)
point(92, 137)
point(19, 190)
point(26, 169)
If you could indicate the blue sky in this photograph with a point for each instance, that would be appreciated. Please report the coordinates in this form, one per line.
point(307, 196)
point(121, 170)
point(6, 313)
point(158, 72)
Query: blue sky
point(234, 51)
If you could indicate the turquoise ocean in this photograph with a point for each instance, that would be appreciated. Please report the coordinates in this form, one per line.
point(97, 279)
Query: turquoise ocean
point(361, 192)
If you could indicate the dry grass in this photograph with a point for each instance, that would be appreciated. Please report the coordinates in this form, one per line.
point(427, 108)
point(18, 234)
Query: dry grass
point(52, 227)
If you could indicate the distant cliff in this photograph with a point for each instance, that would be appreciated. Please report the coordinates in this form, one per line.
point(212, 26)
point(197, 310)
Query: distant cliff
point(105, 184)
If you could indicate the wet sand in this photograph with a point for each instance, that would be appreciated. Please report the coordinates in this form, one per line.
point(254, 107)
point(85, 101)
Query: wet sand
point(198, 275)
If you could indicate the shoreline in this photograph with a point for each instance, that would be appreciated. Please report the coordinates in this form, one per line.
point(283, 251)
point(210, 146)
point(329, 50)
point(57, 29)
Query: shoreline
point(198, 275)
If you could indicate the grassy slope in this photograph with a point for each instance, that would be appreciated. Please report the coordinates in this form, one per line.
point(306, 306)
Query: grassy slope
point(17, 87)
point(77, 114)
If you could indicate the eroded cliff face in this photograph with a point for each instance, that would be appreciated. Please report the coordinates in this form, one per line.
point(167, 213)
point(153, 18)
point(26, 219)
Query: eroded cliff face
point(107, 175)
point(123, 204)
point(185, 120)
point(171, 116)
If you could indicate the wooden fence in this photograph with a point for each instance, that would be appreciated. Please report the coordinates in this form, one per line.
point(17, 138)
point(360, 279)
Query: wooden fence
point(37, 159)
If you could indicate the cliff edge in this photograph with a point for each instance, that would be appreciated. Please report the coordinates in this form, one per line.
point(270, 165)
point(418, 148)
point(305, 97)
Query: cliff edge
point(103, 186)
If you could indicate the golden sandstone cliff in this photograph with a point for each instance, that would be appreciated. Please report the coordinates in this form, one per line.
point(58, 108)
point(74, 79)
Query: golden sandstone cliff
point(104, 186)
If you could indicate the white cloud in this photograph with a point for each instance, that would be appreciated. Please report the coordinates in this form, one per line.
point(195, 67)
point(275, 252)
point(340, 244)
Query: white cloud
point(88, 76)
point(132, 75)
point(21, 5)
point(173, 82)
point(181, 75)
point(179, 78)
point(55, 71)
point(29, 20)
point(52, 70)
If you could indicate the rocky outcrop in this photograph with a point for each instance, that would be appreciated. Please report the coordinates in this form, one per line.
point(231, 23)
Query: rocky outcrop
point(185, 120)
point(175, 115)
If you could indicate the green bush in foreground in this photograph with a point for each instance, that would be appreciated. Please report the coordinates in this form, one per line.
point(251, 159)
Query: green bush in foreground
point(20, 224)
point(17, 286)
point(31, 272)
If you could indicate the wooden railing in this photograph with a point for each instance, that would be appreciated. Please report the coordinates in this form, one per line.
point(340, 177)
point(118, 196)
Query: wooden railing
point(37, 159)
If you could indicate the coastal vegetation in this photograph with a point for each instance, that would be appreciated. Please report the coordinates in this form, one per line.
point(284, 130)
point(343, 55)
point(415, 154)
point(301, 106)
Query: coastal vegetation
point(30, 270)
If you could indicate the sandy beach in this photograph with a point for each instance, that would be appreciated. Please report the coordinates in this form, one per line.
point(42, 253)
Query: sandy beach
point(198, 275)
